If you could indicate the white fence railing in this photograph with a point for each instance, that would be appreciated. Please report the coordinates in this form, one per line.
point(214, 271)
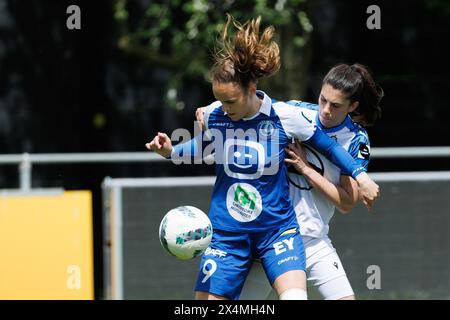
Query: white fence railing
point(25, 161)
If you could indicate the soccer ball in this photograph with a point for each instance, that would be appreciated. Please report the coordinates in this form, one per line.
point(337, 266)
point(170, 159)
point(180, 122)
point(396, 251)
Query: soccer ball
point(185, 232)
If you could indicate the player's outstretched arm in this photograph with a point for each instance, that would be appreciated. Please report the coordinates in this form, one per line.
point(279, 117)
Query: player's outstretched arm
point(160, 144)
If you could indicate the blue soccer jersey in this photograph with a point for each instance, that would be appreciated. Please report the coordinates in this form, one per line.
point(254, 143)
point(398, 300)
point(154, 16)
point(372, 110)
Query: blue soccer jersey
point(251, 190)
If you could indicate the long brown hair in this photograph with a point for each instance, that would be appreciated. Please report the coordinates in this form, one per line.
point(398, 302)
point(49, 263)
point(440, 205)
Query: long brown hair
point(246, 57)
point(357, 83)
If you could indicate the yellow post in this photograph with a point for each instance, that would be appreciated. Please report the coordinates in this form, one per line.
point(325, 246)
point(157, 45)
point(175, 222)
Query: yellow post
point(46, 246)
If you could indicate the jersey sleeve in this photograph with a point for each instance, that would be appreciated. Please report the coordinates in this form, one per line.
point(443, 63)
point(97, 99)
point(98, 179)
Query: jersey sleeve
point(335, 153)
point(189, 150)
point(359, 149)
point(297, 122)
point(193, 149)
point(209, 109)
point(303, 104)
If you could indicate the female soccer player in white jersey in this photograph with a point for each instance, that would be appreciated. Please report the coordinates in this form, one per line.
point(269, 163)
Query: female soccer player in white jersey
point(250, 210)
point(349, 97)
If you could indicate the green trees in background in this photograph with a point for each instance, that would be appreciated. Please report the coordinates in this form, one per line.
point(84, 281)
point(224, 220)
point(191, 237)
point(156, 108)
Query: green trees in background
point(179, 36)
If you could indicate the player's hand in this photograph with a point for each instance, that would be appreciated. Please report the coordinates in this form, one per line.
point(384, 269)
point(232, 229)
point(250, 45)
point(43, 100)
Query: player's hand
point(160, 144)
point(199, 115)
point(369, 191)
point(296, 156)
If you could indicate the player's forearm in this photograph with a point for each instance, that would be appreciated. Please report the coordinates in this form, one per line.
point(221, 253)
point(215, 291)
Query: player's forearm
point(340, 197)
point(335, 153)
point(191, 149)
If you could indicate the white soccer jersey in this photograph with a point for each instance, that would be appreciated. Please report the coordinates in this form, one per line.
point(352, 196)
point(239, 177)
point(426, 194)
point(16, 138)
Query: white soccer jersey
point(313, 209)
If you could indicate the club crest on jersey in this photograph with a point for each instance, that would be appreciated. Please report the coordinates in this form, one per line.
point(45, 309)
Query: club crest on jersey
point(364, 151)
point(266, 128)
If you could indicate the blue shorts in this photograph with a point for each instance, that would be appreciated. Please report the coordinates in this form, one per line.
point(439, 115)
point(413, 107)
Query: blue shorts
point(228, 259)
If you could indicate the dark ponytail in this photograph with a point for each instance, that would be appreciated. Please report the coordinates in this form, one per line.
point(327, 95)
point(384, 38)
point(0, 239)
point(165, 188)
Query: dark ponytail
point(357, 83)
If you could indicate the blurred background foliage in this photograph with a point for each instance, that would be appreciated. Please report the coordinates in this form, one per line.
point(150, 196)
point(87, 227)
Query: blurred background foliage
point(181, 35)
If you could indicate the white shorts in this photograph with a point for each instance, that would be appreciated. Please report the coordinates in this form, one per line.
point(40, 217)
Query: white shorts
point(324, 271)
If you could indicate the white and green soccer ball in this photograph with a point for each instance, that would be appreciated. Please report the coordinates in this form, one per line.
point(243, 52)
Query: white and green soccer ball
point(185, 232)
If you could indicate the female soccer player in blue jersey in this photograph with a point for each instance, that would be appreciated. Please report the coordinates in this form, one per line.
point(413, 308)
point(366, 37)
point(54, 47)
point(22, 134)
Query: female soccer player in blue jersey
point(349, 97)
point(250, 210)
